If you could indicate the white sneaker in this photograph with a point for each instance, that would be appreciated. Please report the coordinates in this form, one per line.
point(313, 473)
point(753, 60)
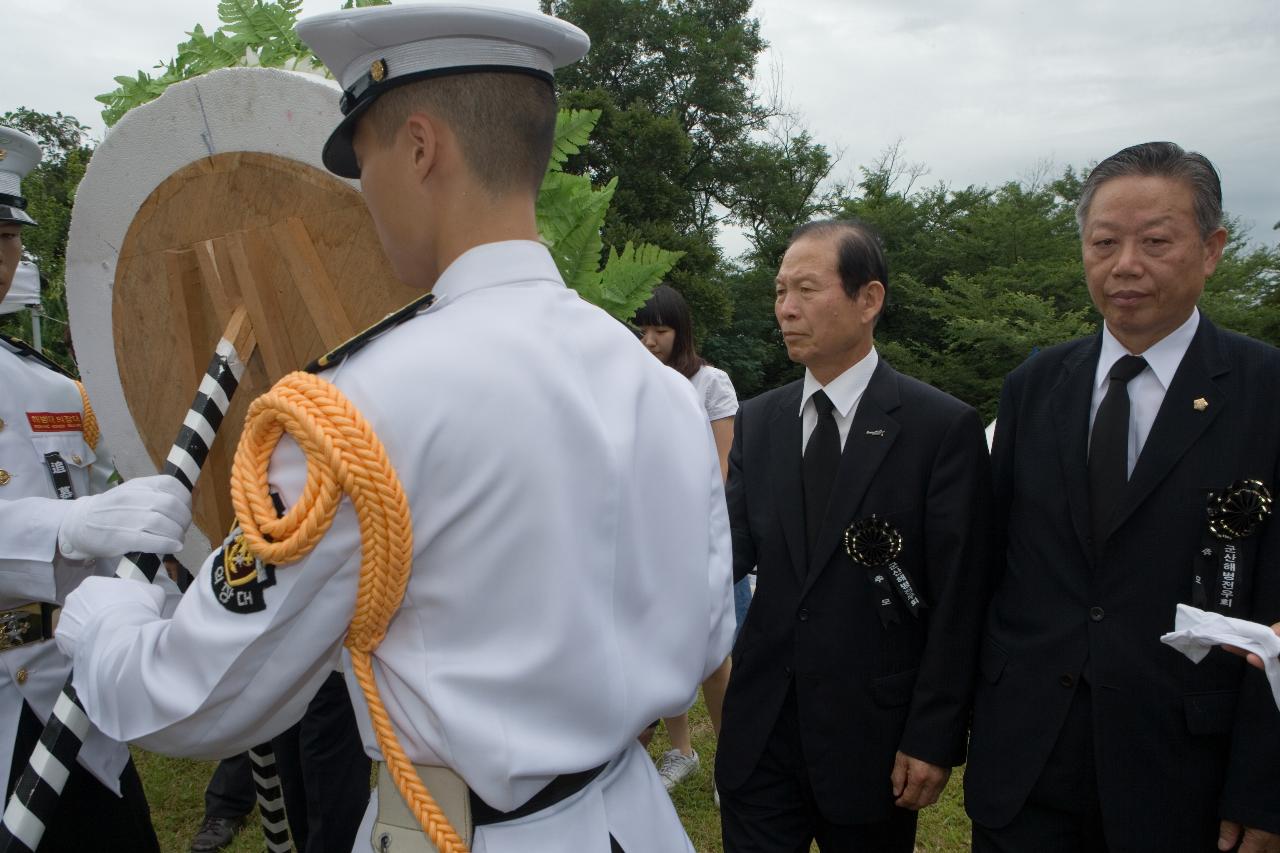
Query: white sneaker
point(675, 767)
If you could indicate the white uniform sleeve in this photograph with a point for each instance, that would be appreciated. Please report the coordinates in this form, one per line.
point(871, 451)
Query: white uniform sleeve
point(723, 620)
point(721, 399)
point(29, 546)
point(212, 681)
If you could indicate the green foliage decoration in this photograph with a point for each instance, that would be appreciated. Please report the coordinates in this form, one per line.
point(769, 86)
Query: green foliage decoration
point(252, 32)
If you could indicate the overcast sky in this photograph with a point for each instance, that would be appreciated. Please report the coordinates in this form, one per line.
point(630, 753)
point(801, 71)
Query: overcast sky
point(981, 91)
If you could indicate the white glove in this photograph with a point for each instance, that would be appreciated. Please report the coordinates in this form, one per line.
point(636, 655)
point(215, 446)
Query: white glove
point(132, 603)
point(149, 514)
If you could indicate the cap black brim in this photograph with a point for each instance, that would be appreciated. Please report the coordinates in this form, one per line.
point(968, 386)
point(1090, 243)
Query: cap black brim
point(9, 213)
point(339, 154)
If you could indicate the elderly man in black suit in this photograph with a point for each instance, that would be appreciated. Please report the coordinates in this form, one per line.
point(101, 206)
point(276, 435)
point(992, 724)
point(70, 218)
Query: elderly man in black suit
point(861, 495)
point(1132, 472)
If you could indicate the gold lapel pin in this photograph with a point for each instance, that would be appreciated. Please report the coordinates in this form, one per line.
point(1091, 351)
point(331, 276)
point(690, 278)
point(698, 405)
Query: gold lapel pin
point(1200, 404)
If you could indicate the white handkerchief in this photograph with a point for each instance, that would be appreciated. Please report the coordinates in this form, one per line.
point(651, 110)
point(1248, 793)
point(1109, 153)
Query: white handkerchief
point(1195, 632)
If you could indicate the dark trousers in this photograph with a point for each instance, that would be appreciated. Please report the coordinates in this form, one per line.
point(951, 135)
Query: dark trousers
point(90, 817)
point(775, 810)
point(230, 793)
point(324, 772)
point(1063, 812)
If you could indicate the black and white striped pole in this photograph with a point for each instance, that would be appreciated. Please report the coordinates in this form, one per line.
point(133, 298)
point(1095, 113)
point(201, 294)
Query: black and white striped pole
point(35, 797)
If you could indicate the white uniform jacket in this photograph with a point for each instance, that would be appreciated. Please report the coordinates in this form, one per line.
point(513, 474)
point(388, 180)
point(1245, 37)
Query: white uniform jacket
point(571, 577)
point(41, 412)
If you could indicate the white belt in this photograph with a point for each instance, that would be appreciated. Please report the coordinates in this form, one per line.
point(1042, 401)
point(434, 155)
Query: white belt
point(396, 829)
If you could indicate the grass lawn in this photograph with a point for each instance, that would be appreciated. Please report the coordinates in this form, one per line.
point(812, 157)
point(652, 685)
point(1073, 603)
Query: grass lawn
point(175, 789)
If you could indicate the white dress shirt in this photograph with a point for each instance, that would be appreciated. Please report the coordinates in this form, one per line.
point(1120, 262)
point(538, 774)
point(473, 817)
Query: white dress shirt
point(1147, 389)
point(563, 484)
point(845, 392)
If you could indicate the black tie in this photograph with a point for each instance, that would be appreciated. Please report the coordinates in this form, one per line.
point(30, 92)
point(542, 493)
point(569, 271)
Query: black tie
point(821, 459)
point(1109, 446)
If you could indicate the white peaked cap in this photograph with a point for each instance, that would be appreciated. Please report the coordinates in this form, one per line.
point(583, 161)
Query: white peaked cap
point(19, 154)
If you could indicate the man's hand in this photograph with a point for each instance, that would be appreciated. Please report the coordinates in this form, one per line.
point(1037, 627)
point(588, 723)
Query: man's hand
point(917, 783)
point(1255, 840)
point(1253, 659)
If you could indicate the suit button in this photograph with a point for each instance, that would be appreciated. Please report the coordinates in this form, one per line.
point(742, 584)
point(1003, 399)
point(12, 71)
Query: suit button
point(1067, 680)
point(21, 676)
point(4, 477)
point(804, 615)
point(787, 669)
point(1097, 614)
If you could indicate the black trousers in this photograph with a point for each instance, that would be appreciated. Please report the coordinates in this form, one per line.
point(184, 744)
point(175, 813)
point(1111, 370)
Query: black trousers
point(230, 792)
point(324, 772)
point(90, 817)
point(775, 810)
point(1063, 812)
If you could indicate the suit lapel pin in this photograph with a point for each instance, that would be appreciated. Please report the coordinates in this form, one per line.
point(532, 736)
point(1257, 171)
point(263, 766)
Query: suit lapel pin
point(878, 433)
point(1200, 404)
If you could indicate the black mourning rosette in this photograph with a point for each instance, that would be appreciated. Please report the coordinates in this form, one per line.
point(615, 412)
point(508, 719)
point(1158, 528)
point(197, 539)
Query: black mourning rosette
point(1237, 511)
point(872, 542)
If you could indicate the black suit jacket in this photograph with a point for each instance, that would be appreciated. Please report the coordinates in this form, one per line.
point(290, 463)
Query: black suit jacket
point(916, 458)
point(1176, 743)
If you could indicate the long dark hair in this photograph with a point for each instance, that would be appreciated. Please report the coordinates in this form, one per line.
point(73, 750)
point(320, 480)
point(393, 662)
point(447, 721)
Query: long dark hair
point(667, 308)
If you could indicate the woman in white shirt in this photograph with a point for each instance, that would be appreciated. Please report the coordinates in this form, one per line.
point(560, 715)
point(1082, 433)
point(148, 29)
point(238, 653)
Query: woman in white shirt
point(667, 331)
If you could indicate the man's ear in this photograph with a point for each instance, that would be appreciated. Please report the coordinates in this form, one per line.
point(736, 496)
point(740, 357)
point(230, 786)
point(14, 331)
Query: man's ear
point(424, 144)
point(1213, 246)
point(872, 297)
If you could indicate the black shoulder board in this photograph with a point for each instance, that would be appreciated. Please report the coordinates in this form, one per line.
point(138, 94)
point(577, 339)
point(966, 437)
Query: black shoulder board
point(25, 350)
point(339, 353)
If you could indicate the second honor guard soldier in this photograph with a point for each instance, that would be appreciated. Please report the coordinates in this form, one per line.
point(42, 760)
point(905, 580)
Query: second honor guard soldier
point(54, 534)
point(539, 446)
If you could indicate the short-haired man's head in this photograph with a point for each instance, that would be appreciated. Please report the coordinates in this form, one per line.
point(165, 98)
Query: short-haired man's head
point(860, 257)
point(504, 121)
point(1161, 160)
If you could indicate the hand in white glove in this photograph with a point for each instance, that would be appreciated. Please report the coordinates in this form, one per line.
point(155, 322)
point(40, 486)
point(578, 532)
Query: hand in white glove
point(149, 514)
point(134, 602)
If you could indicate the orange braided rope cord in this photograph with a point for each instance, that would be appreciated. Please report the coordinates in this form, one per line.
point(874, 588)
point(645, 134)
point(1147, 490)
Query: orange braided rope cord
point(92, 432)
point(344, 456)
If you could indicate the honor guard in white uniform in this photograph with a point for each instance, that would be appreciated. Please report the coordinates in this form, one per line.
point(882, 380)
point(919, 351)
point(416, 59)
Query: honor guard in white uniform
point(54, 534)
point(563, 488)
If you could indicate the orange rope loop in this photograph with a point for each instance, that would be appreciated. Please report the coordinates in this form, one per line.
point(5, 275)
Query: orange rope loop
point(343, 456)
point(92, 432)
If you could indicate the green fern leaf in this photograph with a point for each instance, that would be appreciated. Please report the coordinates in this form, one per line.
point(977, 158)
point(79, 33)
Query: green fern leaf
point(577, 252)
point(573, 129)
point(562, 202)
point(629, 277)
